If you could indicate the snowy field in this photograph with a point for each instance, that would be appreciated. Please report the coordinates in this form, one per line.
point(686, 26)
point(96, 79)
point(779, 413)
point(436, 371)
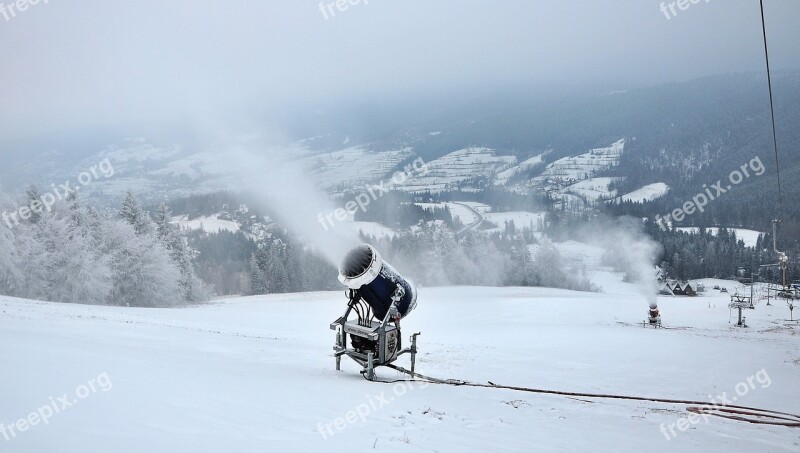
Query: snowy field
point(460, 210)
point(750, 237)
point(646, 193)
point(593, 189)
point(373, 229)
point(256, 374)
point(504, 176)
point(521, 219)
point(209, 224)
point(585, 165)
point(457, 170)
point(353, 167)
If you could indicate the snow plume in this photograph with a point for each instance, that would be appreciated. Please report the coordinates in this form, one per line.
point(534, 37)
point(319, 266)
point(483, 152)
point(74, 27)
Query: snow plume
point(627, 249)
point(278, 179)
point(436, 256)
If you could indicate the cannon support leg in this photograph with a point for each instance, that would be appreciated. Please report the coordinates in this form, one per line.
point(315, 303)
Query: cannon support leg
point(414, 352)
point(370, 366)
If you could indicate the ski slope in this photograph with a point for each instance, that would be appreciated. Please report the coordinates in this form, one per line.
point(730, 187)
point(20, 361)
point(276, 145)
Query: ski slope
point(256, 374)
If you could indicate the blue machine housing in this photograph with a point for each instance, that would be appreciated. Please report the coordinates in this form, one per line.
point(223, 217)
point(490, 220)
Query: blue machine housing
point(378, 283)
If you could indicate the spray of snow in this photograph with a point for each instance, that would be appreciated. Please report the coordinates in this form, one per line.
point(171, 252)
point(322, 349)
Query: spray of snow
point(627, 249)
point(278, 179)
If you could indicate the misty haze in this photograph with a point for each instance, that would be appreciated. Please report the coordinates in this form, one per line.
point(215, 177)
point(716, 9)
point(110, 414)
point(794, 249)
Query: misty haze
point(404, 226)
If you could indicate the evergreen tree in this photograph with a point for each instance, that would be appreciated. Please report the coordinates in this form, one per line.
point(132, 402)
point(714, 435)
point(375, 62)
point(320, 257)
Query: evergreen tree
point(132, 213)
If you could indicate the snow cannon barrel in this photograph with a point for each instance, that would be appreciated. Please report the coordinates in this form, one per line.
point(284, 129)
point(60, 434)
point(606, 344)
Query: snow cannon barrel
point(378, 283)
point(653, 310)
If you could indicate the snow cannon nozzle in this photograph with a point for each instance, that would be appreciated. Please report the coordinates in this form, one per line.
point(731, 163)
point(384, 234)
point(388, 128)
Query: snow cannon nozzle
point(653, 305)
point(360, 266)
point(364, 270)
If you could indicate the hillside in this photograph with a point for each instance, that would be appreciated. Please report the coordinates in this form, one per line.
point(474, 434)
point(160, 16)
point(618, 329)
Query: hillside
point(257, 374)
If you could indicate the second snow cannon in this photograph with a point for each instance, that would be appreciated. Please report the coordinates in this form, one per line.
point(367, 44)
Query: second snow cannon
point(380, 297)
point(653, 316)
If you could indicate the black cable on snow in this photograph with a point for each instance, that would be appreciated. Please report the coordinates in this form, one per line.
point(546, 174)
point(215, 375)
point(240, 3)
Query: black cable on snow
point(732, 412)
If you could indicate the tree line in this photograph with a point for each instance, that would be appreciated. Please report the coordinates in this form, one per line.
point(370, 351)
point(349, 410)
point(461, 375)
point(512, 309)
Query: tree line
point(77, 254)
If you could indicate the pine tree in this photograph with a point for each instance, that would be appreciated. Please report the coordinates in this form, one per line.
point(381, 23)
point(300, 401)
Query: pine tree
point(182, 255)
point(257, 277)
point(10, 276)
point(34, 204)
point(132, 213)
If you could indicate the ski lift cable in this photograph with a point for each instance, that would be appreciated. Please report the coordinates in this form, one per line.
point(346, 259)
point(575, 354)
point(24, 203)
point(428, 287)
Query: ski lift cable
point(772, 112)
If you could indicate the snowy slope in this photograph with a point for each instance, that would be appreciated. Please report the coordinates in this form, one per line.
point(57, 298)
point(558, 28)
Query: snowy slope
point(256, 374)
point(460, 210)
point(750, 237)
point(583, 166)
point(457, 170)
point(503, 176)
point(374, 229)
point(646, 193)
point(592, 189)
point(353, 166)
point(521, 219)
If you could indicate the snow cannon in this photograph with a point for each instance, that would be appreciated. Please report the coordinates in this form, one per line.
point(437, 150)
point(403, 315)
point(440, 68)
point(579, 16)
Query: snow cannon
point(378, 297)
point(381, 286)
point(653, 316)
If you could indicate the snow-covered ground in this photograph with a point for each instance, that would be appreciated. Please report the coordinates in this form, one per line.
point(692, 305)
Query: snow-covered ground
point(208, 224)
point(585, 165)
point(353, 167)
point(593, 189)
point(521, 219)
point(504, 176)
point(460, 210)
point(373, 229)
point(457, 169)
point(646, 193)
point(256, 374)
point(750, 237)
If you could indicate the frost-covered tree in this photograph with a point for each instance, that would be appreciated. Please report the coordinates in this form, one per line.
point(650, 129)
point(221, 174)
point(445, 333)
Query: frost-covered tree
point(10, 275)
point(133, 213)
point(193, 289)
point(143, 273)
point(258, 280)
point(277, 277)
point(76, 270)
point(34, 203)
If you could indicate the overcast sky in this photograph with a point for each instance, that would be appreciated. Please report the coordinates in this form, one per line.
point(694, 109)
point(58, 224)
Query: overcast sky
point(78, 63)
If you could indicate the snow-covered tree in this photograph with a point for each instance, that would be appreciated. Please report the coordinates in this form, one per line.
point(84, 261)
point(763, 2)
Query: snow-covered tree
point(142, 271)
point(193, 289)
point(10, 275)
point(258, 279)
point(76, 270)
point(133, 213)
